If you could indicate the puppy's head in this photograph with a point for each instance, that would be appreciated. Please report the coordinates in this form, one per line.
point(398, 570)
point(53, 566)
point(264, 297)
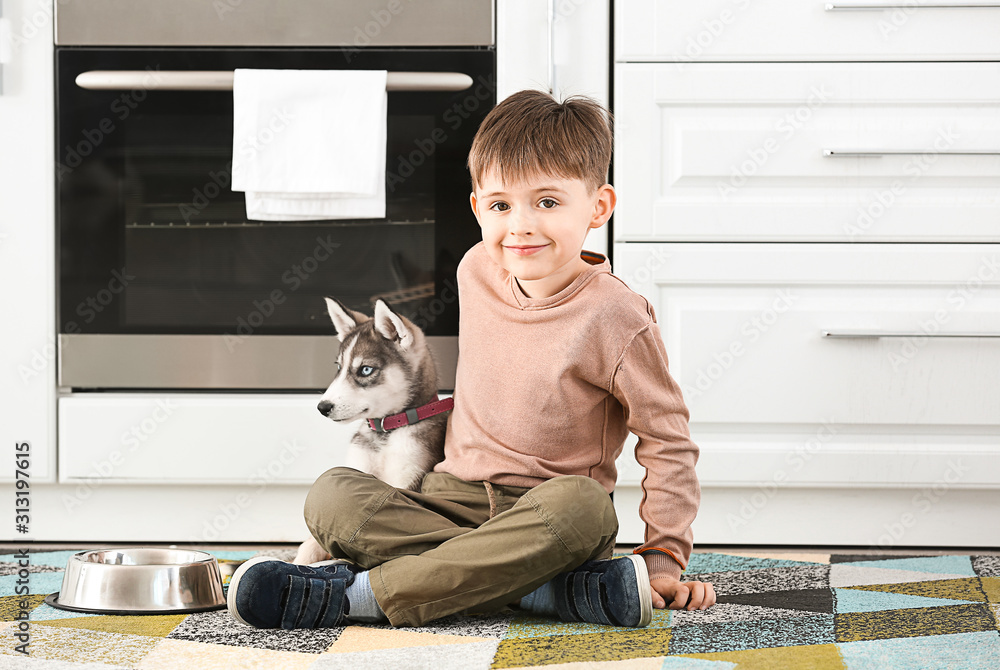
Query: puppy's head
point(375, 366)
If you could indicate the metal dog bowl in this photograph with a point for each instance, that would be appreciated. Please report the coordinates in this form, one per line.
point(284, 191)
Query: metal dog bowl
point(140, 580)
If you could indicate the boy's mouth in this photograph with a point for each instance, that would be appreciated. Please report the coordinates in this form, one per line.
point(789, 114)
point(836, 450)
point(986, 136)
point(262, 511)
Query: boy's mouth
point(525, 250)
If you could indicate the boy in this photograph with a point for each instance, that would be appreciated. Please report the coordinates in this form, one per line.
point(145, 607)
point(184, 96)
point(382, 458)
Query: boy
point(559, 361)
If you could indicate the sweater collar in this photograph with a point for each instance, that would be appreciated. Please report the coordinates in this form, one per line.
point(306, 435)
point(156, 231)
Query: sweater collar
point(596, 264)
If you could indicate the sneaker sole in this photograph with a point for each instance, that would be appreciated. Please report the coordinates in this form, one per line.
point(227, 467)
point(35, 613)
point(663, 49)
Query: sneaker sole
point(234, 584)
point(644, 587)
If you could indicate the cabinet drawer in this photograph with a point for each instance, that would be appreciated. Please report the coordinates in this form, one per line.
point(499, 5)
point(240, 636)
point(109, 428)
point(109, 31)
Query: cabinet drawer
point(874, 335)
point(720, 30)
point(831, 152)
point(197, 438)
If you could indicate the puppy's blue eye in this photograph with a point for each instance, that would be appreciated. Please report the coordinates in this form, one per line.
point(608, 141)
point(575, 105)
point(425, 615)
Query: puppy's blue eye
point(366, 371)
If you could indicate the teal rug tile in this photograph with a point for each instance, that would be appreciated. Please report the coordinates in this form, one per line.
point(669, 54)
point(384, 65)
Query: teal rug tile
point(965, 651)
point(857, 600)
point(959, 566)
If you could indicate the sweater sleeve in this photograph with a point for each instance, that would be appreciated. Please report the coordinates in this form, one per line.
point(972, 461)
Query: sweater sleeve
point(655, 413)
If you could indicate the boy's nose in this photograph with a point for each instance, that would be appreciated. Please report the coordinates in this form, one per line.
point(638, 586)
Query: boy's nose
point(521, 224)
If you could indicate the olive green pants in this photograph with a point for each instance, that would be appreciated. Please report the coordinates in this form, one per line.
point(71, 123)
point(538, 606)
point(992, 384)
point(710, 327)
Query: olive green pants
point(438, 551)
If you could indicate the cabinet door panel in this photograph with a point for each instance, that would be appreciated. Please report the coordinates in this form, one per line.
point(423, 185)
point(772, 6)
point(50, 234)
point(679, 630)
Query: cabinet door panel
point(912, 331)
point(717, 30)
point(808, 152)
point(197, 438)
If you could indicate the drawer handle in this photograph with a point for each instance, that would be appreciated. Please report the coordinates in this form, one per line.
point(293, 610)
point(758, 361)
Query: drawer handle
point(836, 6)
point(849, 153)
point(863, 334)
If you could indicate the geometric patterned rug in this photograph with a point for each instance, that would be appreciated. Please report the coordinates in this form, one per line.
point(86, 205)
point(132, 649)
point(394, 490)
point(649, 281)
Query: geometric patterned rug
point(807, 610)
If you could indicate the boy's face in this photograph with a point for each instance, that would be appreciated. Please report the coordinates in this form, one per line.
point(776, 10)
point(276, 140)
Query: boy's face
point(536, 229)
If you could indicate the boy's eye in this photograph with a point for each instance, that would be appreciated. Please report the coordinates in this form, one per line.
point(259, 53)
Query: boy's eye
point(548, 203)
point(499, 207)
point(366, 371)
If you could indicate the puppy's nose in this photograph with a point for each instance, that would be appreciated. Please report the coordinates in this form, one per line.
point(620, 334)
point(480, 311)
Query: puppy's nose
point(324, 407)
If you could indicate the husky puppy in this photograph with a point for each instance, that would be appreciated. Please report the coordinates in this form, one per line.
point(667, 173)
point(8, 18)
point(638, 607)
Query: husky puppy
point(384, 368)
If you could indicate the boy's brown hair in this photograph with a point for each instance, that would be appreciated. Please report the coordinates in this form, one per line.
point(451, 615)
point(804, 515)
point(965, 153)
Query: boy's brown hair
point(529, 133)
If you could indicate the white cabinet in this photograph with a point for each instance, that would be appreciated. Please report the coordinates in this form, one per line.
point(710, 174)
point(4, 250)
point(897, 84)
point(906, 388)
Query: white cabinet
point(27, 243)
point(810, 30)
point(192, 438)
point(900, 337)
point(809, 197)
point(838, 152)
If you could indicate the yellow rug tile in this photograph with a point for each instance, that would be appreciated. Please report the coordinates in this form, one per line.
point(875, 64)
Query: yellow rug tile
point(965, 588)
point(586, 647)
point(152, 625)
point(914, 622)
point(652, 663)
point(991, 587)
point(172, 654)
point(360, 638)
point(83, 646)
point(10, 606)
point(996, 614)
point(812, 657)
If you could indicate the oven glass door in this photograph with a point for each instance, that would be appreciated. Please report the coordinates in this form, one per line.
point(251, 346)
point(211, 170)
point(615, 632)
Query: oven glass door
point(153, 241)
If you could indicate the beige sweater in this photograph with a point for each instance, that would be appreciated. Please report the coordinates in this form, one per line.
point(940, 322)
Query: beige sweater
point(551, 386)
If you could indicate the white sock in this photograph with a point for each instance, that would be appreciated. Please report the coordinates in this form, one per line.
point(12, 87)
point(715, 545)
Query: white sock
point(364, 607)
point(541, 601)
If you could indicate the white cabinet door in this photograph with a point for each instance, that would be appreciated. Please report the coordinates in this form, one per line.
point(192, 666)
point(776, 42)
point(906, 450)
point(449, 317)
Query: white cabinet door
point(835, 365)
point(833, 152)
point(726, 30)
point(27, 244)
point(175, 438)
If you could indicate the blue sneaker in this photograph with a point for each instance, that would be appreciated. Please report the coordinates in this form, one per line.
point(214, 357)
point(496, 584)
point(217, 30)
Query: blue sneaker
point(266, 592)
point(614, 592)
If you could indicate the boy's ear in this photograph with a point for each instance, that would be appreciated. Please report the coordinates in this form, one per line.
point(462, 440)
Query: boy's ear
point(473, 202)
point(604, 206)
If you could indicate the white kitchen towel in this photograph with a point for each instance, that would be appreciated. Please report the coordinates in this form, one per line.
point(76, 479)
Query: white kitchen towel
point(310, 144)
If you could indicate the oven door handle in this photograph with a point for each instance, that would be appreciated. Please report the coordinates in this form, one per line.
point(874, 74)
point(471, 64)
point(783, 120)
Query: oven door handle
point(222, 80)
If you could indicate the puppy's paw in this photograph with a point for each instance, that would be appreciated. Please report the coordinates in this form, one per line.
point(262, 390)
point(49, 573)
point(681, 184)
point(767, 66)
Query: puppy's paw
point(310, 552)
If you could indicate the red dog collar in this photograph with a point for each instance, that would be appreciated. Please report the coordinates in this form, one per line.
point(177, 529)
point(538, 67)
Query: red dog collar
point(410, 416)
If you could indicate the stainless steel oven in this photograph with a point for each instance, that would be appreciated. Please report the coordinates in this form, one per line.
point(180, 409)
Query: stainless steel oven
point(164, 282)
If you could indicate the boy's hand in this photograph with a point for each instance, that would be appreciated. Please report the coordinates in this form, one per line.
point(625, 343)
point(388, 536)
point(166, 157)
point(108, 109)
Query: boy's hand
point(682, 595)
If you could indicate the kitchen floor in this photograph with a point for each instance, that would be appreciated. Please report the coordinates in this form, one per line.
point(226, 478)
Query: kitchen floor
point(283, 548)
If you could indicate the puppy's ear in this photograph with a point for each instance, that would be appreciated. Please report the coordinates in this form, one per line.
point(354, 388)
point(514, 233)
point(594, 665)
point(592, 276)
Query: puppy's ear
point(344, 320)
point(390, 326)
